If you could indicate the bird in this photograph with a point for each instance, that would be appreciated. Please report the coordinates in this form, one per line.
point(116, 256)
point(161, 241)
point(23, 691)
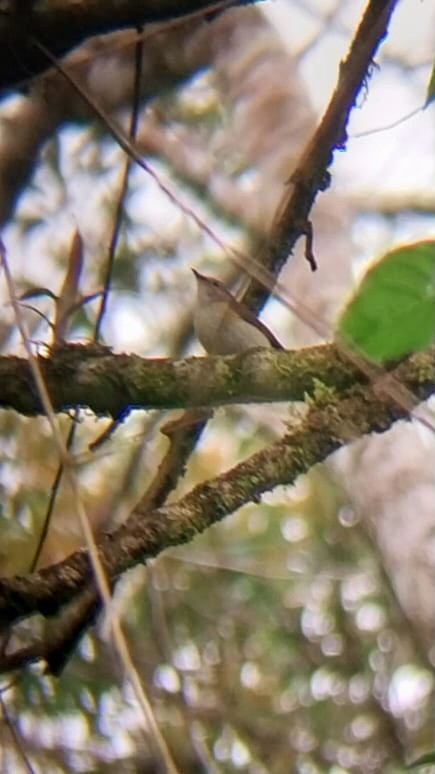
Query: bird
point(223, 325)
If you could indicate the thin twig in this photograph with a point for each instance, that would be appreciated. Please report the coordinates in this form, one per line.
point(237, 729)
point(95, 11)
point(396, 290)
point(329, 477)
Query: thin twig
point(119, 211)
point(54, 491)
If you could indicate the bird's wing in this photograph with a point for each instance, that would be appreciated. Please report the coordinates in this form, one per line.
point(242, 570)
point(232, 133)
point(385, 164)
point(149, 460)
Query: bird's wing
point(250, 317)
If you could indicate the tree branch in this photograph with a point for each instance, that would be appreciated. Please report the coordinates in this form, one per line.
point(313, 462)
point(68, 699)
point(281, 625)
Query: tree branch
point(63, 25)
point(92, 376)
point(331, 423)
point(108, 384)
point(312, 173)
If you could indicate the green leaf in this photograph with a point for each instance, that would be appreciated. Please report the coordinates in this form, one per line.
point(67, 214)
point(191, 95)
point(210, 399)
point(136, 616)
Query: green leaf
point(393, 310)
point(423, 760)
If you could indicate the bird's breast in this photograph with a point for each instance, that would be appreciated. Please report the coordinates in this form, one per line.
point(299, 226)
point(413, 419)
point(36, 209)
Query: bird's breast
point(222, 332)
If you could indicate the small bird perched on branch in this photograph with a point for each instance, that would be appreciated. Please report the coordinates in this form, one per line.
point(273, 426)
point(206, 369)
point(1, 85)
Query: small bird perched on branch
point(224, 325)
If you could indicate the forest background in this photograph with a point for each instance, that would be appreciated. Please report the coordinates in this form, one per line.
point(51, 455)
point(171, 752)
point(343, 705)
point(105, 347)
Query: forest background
point(297, 633)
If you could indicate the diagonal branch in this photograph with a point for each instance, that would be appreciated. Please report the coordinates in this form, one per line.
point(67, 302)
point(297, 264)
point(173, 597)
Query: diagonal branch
point(312, 173)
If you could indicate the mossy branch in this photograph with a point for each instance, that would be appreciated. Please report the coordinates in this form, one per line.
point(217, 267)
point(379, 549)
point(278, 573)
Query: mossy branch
point(111, 385)
point(332, 421)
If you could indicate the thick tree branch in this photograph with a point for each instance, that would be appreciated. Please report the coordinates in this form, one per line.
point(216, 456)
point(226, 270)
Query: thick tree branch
point(109, 384)
point(63, 24)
